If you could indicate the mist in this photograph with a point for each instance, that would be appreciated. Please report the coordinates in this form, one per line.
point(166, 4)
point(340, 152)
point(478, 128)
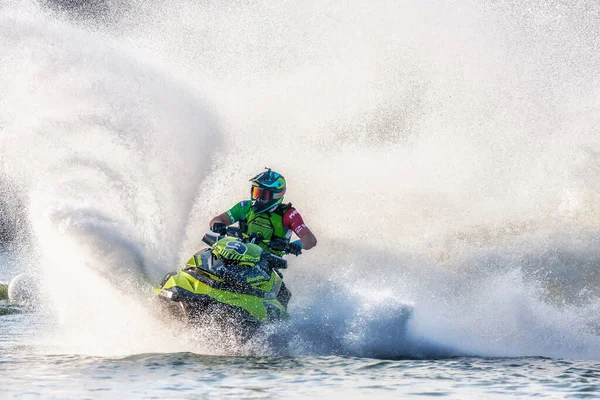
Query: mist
point(446, 155)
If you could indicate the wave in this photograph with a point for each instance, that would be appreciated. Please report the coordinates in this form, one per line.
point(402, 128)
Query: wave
point(455, 175)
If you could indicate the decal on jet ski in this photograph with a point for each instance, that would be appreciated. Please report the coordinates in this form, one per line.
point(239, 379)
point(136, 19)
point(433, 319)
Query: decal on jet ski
point(238, 247)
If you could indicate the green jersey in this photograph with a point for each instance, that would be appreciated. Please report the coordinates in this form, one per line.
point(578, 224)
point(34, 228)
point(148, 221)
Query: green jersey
point(269, 225)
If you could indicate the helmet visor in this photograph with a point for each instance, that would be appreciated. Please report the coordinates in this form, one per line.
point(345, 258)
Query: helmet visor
point(261, 194)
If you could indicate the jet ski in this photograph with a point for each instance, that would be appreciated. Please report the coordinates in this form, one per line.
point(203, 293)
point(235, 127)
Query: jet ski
point(3, 291)
point(235, 282)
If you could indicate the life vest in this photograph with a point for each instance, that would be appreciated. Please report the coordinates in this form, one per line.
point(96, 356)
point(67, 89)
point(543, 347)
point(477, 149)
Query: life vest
point(267, 224)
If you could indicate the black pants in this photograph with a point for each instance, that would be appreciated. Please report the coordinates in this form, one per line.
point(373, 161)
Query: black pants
point(284, 295)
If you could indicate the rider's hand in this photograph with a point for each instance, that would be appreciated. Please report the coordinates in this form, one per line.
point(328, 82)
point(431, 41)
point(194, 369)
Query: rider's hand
point(218, 227)
point(294, 248)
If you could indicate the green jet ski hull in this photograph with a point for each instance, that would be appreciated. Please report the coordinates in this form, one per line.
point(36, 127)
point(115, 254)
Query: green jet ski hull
point(232, 283)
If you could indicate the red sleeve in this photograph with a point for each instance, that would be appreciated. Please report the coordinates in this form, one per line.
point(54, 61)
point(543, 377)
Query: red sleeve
point(293, 220)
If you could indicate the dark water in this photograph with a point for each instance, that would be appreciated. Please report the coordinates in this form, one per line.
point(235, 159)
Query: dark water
point(30, 371)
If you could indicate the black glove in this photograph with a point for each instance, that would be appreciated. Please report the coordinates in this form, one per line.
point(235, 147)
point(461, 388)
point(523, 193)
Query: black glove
point(294, 248)
point(218, 227)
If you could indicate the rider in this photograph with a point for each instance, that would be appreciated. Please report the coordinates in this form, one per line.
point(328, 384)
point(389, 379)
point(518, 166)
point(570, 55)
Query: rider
point(267, 215)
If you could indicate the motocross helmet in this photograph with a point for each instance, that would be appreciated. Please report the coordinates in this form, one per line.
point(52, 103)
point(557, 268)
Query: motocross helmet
point(267, 191)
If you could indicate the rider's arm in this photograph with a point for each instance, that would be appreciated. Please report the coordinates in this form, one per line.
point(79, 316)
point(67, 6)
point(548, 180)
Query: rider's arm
point(232, 215)
point(222, 218)
point(308, 239)
point(293, 220)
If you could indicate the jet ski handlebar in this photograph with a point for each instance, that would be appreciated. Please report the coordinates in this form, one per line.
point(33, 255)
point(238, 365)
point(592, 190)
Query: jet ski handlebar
point(222, 230)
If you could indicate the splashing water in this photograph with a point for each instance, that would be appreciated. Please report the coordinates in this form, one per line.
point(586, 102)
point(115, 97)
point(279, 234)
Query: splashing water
point(447, 156)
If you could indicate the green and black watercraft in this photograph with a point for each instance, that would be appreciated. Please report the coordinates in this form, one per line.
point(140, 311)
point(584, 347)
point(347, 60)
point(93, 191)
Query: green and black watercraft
point(234, 281)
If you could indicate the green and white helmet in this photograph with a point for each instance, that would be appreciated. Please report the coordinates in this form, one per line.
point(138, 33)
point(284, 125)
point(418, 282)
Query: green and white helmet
point(267, 191)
